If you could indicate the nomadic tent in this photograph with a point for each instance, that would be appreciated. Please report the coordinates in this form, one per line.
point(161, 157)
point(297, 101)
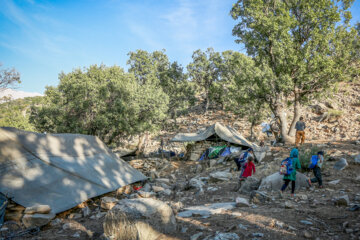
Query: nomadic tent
point(218, 132)
point(59, 170)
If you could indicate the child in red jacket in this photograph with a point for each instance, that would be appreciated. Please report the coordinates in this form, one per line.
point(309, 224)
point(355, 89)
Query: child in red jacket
point(249, 169)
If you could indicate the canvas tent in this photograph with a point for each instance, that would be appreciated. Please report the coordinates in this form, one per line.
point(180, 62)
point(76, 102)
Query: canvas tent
point(218, 132)
point(59, 170)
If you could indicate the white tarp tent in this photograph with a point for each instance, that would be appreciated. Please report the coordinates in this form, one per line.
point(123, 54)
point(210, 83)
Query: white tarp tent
point(59, 170)
point(219, 131)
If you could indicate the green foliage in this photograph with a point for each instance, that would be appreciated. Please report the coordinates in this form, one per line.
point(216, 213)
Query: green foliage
point(303, 47)
point(335, 113)
point(102, 101)
point(15, 113)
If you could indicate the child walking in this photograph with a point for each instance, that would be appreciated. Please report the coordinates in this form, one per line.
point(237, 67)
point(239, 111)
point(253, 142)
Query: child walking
point(317, 169)
point(248, 170)
point(294, 155)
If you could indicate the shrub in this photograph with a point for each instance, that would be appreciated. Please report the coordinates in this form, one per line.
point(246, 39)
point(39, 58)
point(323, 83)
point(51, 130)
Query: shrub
point(305, 156)
point(335, 113)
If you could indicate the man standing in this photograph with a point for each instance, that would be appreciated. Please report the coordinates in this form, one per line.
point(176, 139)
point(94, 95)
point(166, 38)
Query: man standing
point(300, 132)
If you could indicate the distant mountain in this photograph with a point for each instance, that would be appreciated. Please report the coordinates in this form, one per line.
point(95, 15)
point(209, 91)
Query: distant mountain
point(15, 94)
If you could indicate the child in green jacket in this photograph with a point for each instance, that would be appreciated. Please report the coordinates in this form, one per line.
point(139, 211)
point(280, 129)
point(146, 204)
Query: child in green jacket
point(294, 155)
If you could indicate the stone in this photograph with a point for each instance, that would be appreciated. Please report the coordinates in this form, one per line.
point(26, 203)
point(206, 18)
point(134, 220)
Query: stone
point(275, 181)
point(146, 194)
point(196, 236)
point(86, 211)
point(212, 162)
point(142, 218)
point(334, 182)
point(76, 235)
point(289, 205)
point(184, 229)
point(258, 235)
point(44, 209)
point(55, 222)
point(212, 189)
point(341, 164)
point(250, 184)
point(243, 227)
point(226, 236)
point(158, 189)
point(146, 188)
point(242, 202)
point(306, 222)
point(74, 216)
point(196, 183)
point(220, 176)
point(342, 200)
point(303, 197)
point(37, 219)
point(349, 230)
point(259, 197)
point(108, 202)
point(167, 192)
point(319, 108)
point(357, 159)
point(206, 211)
point(307, 234)
point(163, 180)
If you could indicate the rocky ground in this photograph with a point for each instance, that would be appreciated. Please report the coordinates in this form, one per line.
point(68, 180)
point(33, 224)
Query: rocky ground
point(206, 207)
point(201, 195)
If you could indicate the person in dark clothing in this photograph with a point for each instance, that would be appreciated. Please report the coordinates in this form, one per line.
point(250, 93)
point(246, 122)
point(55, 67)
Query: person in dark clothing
point(317, 170)
point(300, 132)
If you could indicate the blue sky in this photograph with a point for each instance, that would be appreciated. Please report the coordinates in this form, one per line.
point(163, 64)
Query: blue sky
point(42, 38)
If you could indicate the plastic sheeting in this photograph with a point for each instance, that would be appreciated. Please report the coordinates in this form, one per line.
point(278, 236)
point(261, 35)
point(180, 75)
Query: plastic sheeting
point(59, 170)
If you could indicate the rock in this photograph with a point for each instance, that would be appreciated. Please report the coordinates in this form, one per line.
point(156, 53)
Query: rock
point(86, 211)
point(158, 189)
point(226, 236)
point(259, 197)
point(240, 226)
point(275, 181)
point(98, 215)
point(37, 219)
point(163, 180)
point(319, 108)
point(289, 205)
point(342, 201)
point(307, 234)
point(76, 235)
point(212, 162)
point(250, 184)
point(341, 164)
point(242, 202)
point(167, 192)
point(306, 222)
point(108, 202)
point(357, 159)
point(74, 216)
point(258, 235)
point(142, 218)
point(125, 189)
point(184, 229)
point(334, 182)
point(55, 222)
point(212, 189)
point(146, 188)
point(349, 230)
point(206, 211)
point(302, 197)
point(196, 183)
point(196, 236)
point(198, 168)
point(220, 176)
point(146, 194)
point(44, 209)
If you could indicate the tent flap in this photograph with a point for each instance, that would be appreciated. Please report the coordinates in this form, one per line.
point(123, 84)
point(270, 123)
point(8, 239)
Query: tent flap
point(59, 170)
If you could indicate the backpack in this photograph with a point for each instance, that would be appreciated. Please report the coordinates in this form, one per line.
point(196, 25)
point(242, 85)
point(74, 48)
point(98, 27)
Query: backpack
point(286, 167)
point(313, 161)
point(243, 157)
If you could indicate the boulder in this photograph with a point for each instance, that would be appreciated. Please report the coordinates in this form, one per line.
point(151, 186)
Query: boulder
point(37, 219)
point(342, 201)
point(242, 202)
point(341, 164)
point(249, 185)
point(275, 181)
point(44, 209)
point(196, 183)
point(108, 202)
point(220, 176)
point(143, 218)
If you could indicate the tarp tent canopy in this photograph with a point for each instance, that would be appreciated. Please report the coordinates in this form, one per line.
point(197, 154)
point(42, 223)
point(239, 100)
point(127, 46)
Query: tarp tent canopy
point(217, 132)
point(59, 170)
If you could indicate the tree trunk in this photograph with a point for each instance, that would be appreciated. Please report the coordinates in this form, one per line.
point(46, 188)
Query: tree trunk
point(281, 114)
point(207, 101)
point(141, 144)
point(296, 115)
point(252, 135)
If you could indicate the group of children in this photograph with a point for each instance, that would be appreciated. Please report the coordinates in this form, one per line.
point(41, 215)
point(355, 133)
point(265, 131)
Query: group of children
point(245, 164)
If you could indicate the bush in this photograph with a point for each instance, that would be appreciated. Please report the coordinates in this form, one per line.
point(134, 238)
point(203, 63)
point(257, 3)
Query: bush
point(305, 157)
point(335, 113)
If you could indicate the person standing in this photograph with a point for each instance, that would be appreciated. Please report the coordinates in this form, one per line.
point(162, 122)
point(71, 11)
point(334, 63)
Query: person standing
point(294, 155)
point(300, 132)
